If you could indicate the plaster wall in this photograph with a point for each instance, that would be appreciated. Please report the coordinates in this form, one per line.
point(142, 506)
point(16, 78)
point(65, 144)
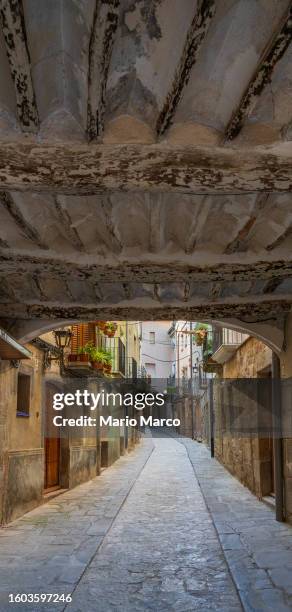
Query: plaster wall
point(161, 352)
point(21, 443)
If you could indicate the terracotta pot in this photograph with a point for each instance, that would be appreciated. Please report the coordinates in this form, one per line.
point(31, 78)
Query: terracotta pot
point(97, 365)
point(83, 357)
point(101, 325)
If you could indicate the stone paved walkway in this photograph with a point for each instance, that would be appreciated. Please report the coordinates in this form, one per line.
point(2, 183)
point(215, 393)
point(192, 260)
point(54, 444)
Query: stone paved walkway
point(162, 553)
point(117, 548)
point(140, 537)
point(258, 548)
point(48, 550)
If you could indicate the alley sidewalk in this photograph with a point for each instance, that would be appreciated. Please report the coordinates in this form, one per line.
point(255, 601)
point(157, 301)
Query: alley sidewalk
point(257, 548)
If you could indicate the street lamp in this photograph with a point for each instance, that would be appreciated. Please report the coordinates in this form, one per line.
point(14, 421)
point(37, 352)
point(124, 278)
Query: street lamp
point(62, 339)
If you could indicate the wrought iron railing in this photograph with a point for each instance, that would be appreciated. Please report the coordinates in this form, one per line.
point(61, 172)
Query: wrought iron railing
point(118, 352)
point(228, 337)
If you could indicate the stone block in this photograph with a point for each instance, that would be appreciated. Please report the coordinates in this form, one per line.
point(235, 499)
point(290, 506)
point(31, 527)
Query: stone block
point(24, 482)
point(82, 464)
point(288, 498)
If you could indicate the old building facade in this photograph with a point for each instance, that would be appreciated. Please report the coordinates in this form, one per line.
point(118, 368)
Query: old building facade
point(244, 427)
point(37, 461)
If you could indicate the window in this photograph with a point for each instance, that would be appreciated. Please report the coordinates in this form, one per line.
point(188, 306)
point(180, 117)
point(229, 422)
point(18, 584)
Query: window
point(152, 337)
point(23, 395)
point(151, 369)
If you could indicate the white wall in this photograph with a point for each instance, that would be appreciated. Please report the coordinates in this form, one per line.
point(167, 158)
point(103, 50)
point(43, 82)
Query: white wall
point(183, 348)
point(158, 357)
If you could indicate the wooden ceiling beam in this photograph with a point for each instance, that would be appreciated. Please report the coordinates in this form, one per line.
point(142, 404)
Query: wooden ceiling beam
point(141, 271)
point(78, 169)
point(13, 27)
point(105, 23)
point(273, 52)
point(195, 37)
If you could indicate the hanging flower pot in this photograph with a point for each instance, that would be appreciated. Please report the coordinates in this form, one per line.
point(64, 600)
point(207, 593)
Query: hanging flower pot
point(110, 329)
point(101, 325)
point(200, 335)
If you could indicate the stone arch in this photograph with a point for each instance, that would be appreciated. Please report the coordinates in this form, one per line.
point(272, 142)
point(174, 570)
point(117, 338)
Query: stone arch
point(271, 332)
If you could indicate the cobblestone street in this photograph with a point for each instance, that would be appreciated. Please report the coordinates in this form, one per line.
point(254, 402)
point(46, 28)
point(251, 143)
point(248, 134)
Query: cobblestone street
point(149, 534)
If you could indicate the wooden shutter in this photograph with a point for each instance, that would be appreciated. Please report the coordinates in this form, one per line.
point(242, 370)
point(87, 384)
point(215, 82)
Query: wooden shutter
point(82, 333)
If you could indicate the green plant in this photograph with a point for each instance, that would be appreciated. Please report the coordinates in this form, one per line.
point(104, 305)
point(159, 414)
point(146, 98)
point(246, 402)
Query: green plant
point(201, 333)
point(87, 348)
point(96, 354)
point(101, 356)
point(110, 326)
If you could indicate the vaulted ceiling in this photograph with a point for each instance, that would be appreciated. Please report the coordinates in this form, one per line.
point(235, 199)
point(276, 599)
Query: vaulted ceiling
point(145, 159)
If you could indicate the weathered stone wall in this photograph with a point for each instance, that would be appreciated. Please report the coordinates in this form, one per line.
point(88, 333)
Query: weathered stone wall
point(6, 374)
point(82, 465)
point(21, 442)
point(247, 457)
point(24, 482)
point(286, 373)
point(251, 357)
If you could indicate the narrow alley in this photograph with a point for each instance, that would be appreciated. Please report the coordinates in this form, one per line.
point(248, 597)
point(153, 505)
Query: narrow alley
point(145, 284)
point(151, 534)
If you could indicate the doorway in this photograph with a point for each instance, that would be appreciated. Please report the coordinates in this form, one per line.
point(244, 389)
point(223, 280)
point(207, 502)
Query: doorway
point(266, 447)
point(51, 445)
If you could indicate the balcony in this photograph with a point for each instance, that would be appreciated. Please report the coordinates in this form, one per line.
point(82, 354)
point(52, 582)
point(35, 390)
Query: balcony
point(79, 365)
point(132, 369)
point(225, 343)
point(118, 351)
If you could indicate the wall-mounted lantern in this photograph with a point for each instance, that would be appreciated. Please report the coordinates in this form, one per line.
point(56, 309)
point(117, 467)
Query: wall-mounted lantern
point(62, 339)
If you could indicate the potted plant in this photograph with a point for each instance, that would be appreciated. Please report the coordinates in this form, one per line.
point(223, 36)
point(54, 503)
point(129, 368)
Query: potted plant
point(84, 352)
point(101, 325)
point(201, 332)
point(100, 358)
point(110, 329)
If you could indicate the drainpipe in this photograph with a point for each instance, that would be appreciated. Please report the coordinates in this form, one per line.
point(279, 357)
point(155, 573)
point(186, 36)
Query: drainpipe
point(211, 418)
point(191, 364)
point(177, 355)
point(126, 350)
point(277, 437)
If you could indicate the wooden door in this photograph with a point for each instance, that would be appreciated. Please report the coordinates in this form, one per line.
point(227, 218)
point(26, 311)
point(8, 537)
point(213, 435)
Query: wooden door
point(52, 444)
point(266, 443)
